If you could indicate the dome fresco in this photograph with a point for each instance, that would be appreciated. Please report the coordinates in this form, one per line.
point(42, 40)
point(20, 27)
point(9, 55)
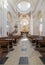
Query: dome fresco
point(23, 6)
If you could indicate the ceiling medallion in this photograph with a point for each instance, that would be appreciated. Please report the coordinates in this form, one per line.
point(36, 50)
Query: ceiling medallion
point(23, 6)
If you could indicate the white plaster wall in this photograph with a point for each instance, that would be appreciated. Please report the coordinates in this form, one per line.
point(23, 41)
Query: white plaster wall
point(3, 22)
point(37, 22)
point(0, 22)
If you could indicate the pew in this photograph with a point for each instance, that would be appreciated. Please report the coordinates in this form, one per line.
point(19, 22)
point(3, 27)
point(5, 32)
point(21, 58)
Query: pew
point(1, 53)
point(39, 42)
point(16, 38)
point(39, 38)
point(42, 47)
point(9, 40)
point(32, 38)
point(4, 45)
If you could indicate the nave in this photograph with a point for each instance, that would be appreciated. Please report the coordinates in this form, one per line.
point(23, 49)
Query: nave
point(22, 32)
point(24, 48)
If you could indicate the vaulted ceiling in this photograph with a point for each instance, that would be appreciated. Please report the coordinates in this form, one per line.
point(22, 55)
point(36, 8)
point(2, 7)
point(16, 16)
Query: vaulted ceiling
point(36, 5)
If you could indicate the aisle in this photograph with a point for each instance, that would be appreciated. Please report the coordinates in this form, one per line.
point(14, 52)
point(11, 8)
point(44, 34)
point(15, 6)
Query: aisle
point(24, 49)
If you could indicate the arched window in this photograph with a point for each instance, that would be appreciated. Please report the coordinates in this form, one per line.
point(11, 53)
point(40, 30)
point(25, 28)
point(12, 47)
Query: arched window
point(41, 26)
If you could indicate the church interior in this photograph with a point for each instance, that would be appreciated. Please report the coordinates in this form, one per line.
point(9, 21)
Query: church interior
point(22, 32)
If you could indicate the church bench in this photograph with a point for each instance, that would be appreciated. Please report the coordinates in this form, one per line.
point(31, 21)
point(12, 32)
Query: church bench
point(32, 38)
point(41, 44)
point(4, 45)
point(42, 47)
point(16, 38)
point(39, 38)
point(2, 56)
point(1, 53)
point(43, 37)
point(9, 40)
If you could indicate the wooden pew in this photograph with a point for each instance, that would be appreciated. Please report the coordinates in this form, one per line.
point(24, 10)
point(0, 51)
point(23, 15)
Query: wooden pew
point(1, 53)
point(9, 40)
point(39, 38)
point(16, 38)
point(4, 45)
point(3, 48)
point(39, 42)
point(32, 38)
point(42, 47)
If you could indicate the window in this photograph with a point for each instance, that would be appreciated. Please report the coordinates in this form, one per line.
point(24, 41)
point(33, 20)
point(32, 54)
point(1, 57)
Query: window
point(41, 28)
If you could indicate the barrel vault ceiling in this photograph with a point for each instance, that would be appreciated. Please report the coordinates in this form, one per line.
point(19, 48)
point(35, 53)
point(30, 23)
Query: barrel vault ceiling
point(35, 4)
